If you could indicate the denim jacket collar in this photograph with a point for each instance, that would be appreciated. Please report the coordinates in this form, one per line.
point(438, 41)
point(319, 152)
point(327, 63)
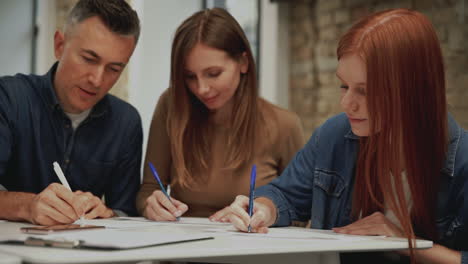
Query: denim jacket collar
point(455, 132)
point(50, 97)
point(351, 135)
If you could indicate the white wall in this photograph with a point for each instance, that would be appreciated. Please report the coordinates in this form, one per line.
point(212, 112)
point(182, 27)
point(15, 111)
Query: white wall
point(274, 64)
point(16, 42)
point(149, 67)
point(46, 21)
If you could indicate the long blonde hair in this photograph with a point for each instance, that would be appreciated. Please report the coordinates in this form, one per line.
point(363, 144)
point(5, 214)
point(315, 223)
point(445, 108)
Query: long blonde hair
point(188, 117)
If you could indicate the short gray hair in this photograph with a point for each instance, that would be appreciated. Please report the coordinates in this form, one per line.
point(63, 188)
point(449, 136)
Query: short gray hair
point(117, 15)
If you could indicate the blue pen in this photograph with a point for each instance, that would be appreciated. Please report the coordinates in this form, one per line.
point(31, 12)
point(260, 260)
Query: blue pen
point(156, 176)
point(253, 177)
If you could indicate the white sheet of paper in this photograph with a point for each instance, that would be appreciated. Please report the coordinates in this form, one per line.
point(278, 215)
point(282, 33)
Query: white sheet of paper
point(299, 233)
point(118, 222)
point(196, 221)
point(134, 222)
point(121, 239)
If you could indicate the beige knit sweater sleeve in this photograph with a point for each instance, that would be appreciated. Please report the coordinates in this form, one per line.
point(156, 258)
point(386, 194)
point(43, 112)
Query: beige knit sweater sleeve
point(158, 152)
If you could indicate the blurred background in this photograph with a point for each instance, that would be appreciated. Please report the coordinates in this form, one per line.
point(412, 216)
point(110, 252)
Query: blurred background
point(294, 44)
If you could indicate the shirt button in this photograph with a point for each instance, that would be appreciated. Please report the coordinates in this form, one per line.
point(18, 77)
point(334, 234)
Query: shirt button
point(67, 126)
point(67, 161)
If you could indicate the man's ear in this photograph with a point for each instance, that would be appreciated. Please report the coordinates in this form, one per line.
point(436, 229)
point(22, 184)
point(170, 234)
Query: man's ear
point(244, 63)
point(59, 43)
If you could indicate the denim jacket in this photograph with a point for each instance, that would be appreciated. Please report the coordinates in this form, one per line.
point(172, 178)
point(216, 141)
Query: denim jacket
point(318, 183)
point(102, 156)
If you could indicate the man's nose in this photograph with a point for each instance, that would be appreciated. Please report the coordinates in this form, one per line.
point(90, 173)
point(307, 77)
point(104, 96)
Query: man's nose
point(96, 76)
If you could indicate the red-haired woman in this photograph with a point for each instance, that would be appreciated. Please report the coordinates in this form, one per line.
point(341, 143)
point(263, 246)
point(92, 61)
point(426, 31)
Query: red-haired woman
point(211, 125)
point(394, 163)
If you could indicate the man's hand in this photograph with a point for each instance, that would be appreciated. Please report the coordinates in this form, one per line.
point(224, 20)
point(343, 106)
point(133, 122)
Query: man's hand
point(54, 205)
point(58, 205)
point(91, 206)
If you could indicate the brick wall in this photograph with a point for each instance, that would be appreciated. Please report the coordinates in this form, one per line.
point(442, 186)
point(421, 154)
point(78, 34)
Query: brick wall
point(120, 89)
point(316, 26)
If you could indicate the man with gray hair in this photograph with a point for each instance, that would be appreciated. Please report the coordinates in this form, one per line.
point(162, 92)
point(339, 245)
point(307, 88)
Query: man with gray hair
point(68, 116)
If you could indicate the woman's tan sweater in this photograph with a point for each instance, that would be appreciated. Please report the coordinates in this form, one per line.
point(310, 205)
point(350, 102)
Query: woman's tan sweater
point(273, 151)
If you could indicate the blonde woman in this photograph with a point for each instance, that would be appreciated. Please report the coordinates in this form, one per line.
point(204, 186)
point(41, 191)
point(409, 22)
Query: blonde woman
point(211, 126)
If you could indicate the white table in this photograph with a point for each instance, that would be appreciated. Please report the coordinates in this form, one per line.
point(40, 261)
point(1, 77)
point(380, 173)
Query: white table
point(9, 259)
point(221, 249)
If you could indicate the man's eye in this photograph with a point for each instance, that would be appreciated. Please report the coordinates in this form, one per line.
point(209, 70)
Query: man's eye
point(88, 59)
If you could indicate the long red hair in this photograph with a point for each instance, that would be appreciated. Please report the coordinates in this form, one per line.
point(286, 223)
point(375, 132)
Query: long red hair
point(408, 114)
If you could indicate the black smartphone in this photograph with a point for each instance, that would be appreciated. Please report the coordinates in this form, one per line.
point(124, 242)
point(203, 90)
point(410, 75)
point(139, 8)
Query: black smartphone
point(57, 228)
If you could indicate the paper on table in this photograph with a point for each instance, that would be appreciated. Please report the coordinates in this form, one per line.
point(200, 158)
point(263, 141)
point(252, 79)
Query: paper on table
point(118, 222)
point(120, 239)
point(182, 221)
point(132, 222)
point(298, 234)
point(113, 239)
point(197, 221)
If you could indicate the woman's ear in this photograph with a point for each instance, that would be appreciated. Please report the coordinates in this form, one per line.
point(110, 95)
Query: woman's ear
point(244, 63)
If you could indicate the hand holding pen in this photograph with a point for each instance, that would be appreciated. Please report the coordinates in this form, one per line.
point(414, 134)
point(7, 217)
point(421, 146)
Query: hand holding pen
point(52, 206)
point(159, 205)
point(85, 204)
point(249, 215)
point(263, 216)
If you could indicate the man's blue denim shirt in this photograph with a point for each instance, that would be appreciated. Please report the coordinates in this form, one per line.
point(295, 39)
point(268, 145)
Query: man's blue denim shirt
point(102, 156)
point(318, 183)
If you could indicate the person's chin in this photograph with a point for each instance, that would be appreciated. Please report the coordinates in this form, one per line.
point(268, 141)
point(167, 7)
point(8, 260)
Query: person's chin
point(81, 107)
point(360, 132)
point(211, 107)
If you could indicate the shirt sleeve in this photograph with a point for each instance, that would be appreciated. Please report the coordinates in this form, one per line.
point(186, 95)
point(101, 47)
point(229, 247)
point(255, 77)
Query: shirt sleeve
point(464, 257)
point(6, 137)
point(121, 192)
point(158, 152)
point(292, 191)
point(292, 141)
point(458, 233)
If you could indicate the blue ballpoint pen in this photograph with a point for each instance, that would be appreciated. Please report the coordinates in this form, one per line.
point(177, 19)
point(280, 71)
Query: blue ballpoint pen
point(253, 177)
point(156, 176)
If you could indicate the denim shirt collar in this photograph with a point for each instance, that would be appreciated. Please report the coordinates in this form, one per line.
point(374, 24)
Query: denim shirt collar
point(351, 135)
point(455, 132)
point(50, 97)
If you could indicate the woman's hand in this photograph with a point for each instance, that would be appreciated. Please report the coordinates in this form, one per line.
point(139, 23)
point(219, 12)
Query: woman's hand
point(158, 207)
point(221, 215)
point(374, 224)
point(264, 214)
point(378, 224)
